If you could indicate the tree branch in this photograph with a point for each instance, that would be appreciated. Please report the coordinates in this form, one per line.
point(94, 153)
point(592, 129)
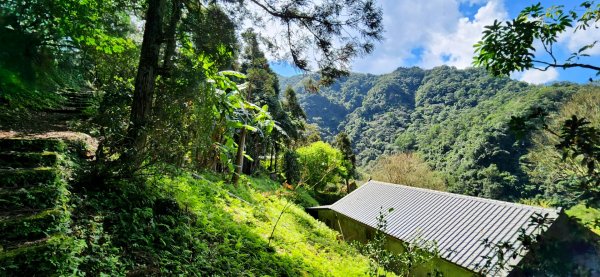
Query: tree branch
point(566, 65)
point(286, 16)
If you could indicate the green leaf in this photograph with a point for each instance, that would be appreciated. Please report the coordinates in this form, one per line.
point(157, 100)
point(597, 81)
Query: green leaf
point(233, 73)
point(250, 128)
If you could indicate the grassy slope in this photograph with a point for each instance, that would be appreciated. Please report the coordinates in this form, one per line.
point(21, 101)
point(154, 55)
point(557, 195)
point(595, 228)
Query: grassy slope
point(588, 216)
point(303, 243)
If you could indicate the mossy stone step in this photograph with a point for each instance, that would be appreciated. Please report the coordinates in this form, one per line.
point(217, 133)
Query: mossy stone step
point(67, 110)
point(28, 160)
point(82, 101)
point(82, 98)
point(53, 256)
point(74, 92)
point(17, 178)
point(32, 226)
point(77, 95)
point(35, 198)
point(77, 106)
point(32, 145)
point(78, 103)
point(64, 90)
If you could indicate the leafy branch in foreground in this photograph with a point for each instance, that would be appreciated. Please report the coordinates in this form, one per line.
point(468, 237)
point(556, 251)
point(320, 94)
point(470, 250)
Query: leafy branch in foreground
point(578, 143)
point(509, 46)
point(503, 251)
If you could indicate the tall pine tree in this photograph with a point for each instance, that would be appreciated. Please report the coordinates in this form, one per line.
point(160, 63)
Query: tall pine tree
point(343, 143)
point(292, 104)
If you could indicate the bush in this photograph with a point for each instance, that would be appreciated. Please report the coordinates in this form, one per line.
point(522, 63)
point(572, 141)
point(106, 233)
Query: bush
point(304, 198)
point(320, 164)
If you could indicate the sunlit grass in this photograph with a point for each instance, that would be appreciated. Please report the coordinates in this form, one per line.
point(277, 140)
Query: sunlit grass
point(588, 216)
point(256, 205)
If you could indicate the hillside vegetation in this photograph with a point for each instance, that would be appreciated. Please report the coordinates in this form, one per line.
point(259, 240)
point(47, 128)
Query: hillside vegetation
point(159, 89)
point(196, 226)
point(172, 223)
point(457, 121)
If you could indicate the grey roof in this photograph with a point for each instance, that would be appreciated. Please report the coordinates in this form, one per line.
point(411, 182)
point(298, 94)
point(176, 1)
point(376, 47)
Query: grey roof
point(456, 223)
point(323, 207)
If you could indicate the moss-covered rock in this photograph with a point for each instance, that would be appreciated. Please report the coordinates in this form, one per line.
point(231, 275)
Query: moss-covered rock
point(32, 145)
point(28, 160)
point(32, 226)
point(17, 178)
point(53, 256)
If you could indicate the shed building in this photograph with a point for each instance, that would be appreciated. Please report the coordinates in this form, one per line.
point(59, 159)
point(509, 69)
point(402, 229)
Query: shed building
point(458, 225)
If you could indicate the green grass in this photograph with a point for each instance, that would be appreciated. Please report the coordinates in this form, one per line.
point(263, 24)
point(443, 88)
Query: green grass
point(190, 225)
point(589, 217)
point(310, 247)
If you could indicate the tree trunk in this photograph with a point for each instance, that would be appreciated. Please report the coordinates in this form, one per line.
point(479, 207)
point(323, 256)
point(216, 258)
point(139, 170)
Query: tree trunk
point(141, 107)
point(169, 37)
point(239, 160)
point(276, 151)
point(271, 154)
point(347, 185)
point(249, 166)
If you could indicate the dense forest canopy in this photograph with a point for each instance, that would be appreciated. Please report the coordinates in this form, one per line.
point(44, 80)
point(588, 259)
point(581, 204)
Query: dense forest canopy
point(362, 104)
point(458, 121)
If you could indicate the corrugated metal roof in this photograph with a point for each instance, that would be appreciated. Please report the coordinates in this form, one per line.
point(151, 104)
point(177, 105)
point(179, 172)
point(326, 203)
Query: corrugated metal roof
point(457, 223)
point(323, 207)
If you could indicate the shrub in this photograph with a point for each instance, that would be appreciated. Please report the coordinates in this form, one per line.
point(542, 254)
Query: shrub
point(320, 164)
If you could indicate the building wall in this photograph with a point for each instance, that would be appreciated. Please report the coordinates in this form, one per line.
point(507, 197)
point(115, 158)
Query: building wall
point(352, 230)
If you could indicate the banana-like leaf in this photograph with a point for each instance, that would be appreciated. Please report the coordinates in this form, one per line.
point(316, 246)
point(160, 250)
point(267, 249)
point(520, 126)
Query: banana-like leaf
point(233, 73)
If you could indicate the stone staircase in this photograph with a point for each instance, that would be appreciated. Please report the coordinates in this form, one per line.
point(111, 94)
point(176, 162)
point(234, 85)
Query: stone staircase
point(34, 213)
point(71, 111)
point(75, 101)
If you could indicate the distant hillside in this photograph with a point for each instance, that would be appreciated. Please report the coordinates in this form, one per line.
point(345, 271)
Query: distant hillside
point(332, 104)
point(375, 109)
point(457, 120)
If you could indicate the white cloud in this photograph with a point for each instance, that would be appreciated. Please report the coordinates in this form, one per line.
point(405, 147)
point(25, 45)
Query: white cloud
point(437, 27)
point(575, 40)
point(456, 48)
point(409, 25)
point(474, 2)
point(442, 32)
point(537, 77)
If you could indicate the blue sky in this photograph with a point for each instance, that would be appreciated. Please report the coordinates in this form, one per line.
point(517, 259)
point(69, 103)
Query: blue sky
point(436, 32)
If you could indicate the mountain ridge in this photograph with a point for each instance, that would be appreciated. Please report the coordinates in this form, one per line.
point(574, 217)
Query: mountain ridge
point(377, 97)
point(457, 120)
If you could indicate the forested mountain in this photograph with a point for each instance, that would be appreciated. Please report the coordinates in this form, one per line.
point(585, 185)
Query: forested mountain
point(457, 120)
